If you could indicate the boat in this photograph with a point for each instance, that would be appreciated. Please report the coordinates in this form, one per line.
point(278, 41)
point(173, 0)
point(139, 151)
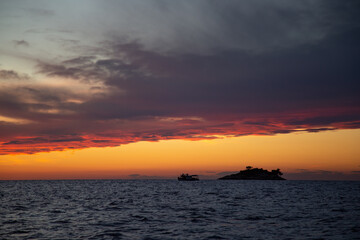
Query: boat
point(187, 177)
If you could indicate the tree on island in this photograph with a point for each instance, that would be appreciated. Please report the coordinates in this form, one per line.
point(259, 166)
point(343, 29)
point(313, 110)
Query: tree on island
point(277, 172)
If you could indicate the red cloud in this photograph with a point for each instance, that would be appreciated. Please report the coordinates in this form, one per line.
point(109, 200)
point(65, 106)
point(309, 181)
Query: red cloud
point(110, 133)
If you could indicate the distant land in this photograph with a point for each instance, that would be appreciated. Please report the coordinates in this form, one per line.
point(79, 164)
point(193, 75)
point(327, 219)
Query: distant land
point(255, 174)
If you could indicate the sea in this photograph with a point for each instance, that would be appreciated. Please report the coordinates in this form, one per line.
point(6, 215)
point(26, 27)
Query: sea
point(169, 209)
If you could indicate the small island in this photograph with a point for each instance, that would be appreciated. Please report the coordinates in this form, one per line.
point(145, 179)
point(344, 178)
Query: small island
point(255, 174)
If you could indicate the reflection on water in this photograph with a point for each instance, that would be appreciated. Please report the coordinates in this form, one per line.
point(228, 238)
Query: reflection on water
point(168, 209)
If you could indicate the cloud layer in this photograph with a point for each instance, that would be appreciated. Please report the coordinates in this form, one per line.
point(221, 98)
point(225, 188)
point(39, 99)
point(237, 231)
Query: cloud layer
point(225, 69)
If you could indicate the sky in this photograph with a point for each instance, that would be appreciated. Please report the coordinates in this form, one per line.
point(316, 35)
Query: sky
point(150, 89)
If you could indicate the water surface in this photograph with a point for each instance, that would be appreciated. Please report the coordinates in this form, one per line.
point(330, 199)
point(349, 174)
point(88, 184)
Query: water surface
point(168, 209)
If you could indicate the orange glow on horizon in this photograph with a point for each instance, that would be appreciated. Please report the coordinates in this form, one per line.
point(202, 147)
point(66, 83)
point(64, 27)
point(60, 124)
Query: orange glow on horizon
point(331, 151)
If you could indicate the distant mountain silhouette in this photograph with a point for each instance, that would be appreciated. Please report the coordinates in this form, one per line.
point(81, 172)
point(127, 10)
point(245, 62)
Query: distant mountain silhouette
point(255, 174)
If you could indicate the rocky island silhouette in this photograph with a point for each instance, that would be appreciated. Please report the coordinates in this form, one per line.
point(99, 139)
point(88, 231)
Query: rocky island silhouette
point(255, 174)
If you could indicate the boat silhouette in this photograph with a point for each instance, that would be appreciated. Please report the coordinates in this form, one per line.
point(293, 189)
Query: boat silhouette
point(187, 177)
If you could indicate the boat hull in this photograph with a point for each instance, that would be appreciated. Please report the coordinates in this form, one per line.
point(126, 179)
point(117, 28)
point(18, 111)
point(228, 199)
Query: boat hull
point(192, 179)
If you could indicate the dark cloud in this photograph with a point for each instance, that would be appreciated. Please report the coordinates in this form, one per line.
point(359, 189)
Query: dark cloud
point(12, 75)
point(79, 60)
point(282, 131)
point(40, 140)
point(283, 83)
point(205, 27)
point(101, 141)
point(234, 80)
point(32, 102)
point(21, 43)
point(63, 71)
point(325, 120)
point(319, 129)
point(260, 123)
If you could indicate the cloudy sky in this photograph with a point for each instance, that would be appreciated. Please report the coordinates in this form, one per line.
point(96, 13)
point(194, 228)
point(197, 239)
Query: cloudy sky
point(83, 74)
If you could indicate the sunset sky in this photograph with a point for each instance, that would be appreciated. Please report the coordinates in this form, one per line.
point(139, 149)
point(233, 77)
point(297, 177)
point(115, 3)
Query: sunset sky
point(151, 89)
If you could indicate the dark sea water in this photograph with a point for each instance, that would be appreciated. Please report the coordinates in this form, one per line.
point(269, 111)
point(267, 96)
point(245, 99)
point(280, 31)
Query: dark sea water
point(168, 209)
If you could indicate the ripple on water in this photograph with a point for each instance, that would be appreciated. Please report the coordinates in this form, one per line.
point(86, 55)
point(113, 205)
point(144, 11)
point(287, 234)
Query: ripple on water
point(168, 209)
